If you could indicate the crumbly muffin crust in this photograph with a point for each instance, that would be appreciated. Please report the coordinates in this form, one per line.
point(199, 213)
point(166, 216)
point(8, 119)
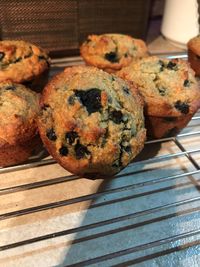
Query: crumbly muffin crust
point(19, 107)
point(194, 54)
point(21, 61)
point(111, 52)
point(168, 86)
point(90, 121)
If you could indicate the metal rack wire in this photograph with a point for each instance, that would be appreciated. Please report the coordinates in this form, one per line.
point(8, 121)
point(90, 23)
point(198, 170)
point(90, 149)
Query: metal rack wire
point(148, 214)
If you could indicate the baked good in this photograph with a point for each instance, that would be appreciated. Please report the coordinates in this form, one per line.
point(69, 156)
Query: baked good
point(194, 54)
point(19, 107)
point(90, 122)
point(111, 52)
point(170, 91)
point(22, 62)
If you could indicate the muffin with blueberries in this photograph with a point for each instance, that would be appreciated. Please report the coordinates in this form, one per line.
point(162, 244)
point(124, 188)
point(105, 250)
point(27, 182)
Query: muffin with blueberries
point(25, 63)
point(19, 107)
point(194, 54)
point(170, 91)
point(91, 122)
point(111, 52)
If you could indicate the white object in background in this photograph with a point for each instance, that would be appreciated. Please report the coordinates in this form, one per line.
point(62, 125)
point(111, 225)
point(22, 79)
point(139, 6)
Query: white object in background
point(180, 21)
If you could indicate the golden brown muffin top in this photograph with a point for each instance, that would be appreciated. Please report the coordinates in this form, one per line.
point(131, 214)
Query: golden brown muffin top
point(90, 121)
point(112, 51)
point(168, 86)
point(19, 107)
point(21, 61)
point(194, 45)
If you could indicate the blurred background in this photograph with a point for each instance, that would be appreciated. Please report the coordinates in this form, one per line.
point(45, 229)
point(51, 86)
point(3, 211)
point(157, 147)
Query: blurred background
point(61, 26)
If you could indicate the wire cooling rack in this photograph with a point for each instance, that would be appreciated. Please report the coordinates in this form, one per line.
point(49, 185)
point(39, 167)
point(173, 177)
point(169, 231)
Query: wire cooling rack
point(147, 215)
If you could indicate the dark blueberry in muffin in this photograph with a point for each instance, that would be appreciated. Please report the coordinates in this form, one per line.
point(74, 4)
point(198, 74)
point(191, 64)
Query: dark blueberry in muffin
point(63, 151)
point(71, 100)
point(116, 116)
point(162, 91)
point(91, 99)
point(2, 55)
point(172, 66)
point(112, 57)
point(162, 65)
point(126, 55)
point(81, 151)
point(10, 87)
point(51, 134)
point(198, 57)
point(186, 83)
point(71, 136)
point(126, 90)
point(182, 107)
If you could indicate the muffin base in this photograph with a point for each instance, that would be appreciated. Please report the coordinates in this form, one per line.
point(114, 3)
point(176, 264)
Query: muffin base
point(14, 154)
point(161, 127)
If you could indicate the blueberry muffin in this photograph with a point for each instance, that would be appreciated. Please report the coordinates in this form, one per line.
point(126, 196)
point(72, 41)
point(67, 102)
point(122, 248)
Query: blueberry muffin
point(194, 54)
point(19, 107)
point(90, 121)
point(170, 90)
point(111, 52)
point(22, 62)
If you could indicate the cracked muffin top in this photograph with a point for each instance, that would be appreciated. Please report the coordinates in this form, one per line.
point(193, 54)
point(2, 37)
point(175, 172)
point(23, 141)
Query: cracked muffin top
point(91, 122)
point(111, 52)
point(168, 86)
point(21, 61)
point(19, 107)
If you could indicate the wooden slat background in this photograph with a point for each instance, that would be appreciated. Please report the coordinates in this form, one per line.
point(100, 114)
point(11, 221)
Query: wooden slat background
point(60, 26)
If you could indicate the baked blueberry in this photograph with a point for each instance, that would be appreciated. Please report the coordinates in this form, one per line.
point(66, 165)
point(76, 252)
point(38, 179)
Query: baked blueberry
point(162, 91)
point(112, 57)
point(91, 99)
point(71, 137)
point(186, 83)
point(182, 107)
point(81, 151)
point(172, 66)
point(63, 151)
point(126, 90)
point(51, 134)
point(116, 116)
